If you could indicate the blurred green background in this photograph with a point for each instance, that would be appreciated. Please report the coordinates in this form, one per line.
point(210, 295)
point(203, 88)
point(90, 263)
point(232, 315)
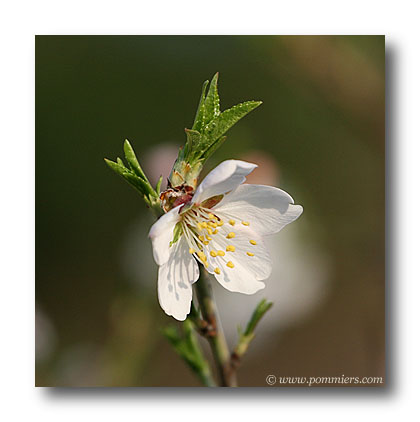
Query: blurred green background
point(320, 135)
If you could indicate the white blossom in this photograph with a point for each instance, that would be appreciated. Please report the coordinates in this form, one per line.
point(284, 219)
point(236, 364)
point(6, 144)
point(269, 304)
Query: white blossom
point(222, 227)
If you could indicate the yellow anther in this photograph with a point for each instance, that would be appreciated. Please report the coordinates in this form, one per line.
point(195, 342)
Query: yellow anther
point(217, 270)
point(206, 242)
point(232, 222)
point(199, 227)
point(220, 223)
point(212, 224)
point(252, 242)
point(231, 235)
point(208, 237)
point(230, 248)
point(211, 215)
point(202, 256)
point(201, 237)
point(215, 231)
point(204, 225)
point(206, 264)
point(209, 230)
point(250, 254)
point(221, 253)
point(230, 264)
point(245, 223)
point(213, 253)
point(191, 251)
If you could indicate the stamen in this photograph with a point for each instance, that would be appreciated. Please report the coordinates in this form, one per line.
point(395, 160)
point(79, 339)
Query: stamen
point(221, 253)
point(220, 223)
point(245, 223)
point(201, 237)
point(230, 248)
point(208, 237)
point(230, 264)
point(204, 225)
point(212, 224)
point(215, 231)
point(206, 242)
point(191, 251)
point(202, 256)
point(217, 270)
point(252, 242)
point(211, 216)
point(231, 235)
point(213, 253)
point(250, 254)
point(209, 230)
point(232, 222)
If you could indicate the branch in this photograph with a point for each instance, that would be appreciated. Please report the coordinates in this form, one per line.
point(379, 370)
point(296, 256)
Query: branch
point(211, 329)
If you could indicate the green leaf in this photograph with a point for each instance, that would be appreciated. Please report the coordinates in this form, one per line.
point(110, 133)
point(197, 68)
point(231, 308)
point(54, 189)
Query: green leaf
point(206, 135)
point(134, 175)
point(211, 149)
point(199, 115)
point(221, 124)
point(142, 186)
point(212, 102)
point(117, 167)
point(187, 347)
point(158, 185)
point(258, 313)
point(138, 183)
point(132, 160)
point(193, 142)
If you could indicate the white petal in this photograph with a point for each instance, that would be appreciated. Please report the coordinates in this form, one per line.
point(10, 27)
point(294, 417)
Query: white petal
point(175, 281)
point(266, 208)
point(239, 281)
point(161, 234)
point(247, 272)
point(225, 177)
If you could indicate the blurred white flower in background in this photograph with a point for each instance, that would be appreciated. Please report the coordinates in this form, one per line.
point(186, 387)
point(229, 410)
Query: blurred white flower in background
point(45, 335)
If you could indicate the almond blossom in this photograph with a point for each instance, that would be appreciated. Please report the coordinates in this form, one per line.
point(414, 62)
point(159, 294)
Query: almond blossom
point(222, 226)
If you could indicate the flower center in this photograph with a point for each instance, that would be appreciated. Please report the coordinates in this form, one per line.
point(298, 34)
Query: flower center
point(210, 237)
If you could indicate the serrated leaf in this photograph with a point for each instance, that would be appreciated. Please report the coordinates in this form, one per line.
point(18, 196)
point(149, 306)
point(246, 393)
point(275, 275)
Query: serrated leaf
point(199, 115)
point(212, 148)
point(212, 102)
point(193, 141)
point(221, 124)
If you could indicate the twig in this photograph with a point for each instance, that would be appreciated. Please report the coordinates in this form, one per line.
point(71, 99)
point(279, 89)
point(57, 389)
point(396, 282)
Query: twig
point(213, 331)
